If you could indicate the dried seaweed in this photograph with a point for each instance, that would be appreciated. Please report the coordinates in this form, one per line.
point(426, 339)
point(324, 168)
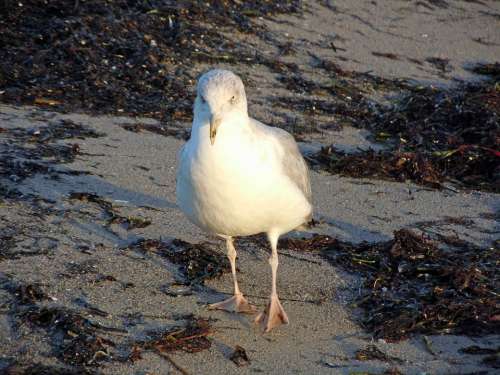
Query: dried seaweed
point(490, 70)
point(371, 352)
point(17, 368)
point(414, 285)
point(81, 345)
point(198, 261)
point(240, 356)
point(26, 152)
point(114, 217)
point(74, 338)
point(492, 361)
point(477, 350)
point(192, 337)
point(158, 129)
point(122, 56)
point(433, 136)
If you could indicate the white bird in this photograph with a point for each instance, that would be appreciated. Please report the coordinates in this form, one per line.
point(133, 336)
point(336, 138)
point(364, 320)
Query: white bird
point(239, 177)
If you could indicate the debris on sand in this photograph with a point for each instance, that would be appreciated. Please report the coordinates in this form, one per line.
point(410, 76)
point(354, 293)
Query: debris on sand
point(81, 345)
point(158, 129)
point(190, 338)
point(433, 136)
point(130, 222)
point(492, 358)
point(477, 350)
point(26, 152)
point(414, 285)
point(198, 261)
point(39, 369)
point(240, 357)
point(122, 57)
point(74, 339)
point(8, 241)
point(399, 166)
point(371, 352)
point(29, 293)
point(114, 217)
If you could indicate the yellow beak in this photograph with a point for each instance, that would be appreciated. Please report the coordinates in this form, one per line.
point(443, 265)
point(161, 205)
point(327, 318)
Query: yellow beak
point(214, 124)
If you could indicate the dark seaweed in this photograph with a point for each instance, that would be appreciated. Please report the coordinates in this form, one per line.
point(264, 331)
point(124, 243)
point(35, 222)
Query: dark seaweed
point(81, 345)
point(414, 285)
point(158, 129)
point(132, 57)
point(74, 339)
point(40, 369)
point(240, 356)
point(26, 152)
point(114, 217)
point(434, 136)
point(198, 261)
point(371, 352)
point(192, 337)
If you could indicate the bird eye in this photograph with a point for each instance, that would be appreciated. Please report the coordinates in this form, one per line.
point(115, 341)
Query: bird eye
point(202, 99)
point(233, 99)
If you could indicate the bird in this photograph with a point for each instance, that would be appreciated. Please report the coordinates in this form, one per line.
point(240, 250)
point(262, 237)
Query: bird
point(238, 177)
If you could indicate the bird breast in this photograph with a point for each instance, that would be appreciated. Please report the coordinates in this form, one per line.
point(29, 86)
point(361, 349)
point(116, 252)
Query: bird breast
point(236, 187)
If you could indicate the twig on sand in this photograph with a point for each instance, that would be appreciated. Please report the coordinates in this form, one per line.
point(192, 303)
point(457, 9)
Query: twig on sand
point(175, 364)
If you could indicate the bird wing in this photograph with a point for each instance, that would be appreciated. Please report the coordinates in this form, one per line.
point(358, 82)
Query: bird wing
point(294, 165)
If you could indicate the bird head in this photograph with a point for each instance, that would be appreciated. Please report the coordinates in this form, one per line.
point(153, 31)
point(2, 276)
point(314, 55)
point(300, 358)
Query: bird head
point(219, 93)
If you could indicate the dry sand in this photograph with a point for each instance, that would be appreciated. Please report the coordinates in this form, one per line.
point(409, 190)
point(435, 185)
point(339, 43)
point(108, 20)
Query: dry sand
point(137, 172)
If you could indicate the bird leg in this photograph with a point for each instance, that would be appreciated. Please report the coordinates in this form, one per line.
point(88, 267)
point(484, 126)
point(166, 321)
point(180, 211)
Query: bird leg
point(236, 303)
point(274, 314)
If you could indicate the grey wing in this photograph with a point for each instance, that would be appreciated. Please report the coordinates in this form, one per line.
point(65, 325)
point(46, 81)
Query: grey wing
point(180, 158)
point(293, 163)
point(295, 166)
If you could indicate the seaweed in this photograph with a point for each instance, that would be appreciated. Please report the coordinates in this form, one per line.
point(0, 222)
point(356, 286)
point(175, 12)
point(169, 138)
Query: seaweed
point(17, 368)
point(158, 129)
point(74, 339)
point(434, 136)
point(240, 356)
point(414, 285)
point(192, 337)
point(81, 345)
point(371, 352)
point(122, 57)
point(114, 217)
point(198, 261)
point(26, 152)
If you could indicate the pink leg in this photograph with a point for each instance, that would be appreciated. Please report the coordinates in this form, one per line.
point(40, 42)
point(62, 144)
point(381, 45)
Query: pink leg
point(237, 303)
point(274, 314)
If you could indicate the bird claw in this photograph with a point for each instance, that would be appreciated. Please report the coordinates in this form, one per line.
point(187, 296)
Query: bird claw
point(236, 303)
point(273, 315)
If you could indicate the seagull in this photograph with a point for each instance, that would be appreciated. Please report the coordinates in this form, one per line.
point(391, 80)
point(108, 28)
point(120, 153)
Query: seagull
point(238, 177)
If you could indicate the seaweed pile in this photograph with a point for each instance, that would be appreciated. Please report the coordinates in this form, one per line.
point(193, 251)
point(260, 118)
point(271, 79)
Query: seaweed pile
point(25, 152)
point(435, 136)
point(189, 338)
point(74, 339)
point(132, 57)
point(415, 284)
point(198, 261)
point(79, 343)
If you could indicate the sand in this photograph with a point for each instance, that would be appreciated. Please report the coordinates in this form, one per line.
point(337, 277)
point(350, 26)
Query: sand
point(137, 172)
